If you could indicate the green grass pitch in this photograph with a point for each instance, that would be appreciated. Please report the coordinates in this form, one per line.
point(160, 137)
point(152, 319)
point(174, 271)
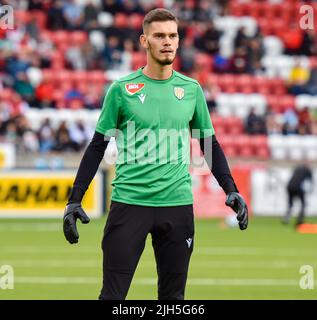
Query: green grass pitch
point(261, 263)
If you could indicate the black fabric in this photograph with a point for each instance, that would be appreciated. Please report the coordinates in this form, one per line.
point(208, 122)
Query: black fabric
point(125, 233)
point(292, 195)
point(88, 166)
point(300, 174)
point(217, 163)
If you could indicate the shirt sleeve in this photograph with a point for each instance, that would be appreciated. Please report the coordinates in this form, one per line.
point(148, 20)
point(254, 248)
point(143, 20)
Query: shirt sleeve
point(108, 119)
point(201, 125)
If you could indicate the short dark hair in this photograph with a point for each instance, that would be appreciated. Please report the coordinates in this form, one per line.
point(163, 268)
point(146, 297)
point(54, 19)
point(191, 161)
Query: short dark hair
point(159, 14)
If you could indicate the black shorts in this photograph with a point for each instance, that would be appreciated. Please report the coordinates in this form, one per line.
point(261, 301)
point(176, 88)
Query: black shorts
point(172, 231)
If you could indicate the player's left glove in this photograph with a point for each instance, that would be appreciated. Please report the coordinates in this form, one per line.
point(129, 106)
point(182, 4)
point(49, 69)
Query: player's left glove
point(237, 203)
point(73, 211)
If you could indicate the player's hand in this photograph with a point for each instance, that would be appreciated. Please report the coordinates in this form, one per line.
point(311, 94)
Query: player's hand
point(237, 203)
point(73, 211)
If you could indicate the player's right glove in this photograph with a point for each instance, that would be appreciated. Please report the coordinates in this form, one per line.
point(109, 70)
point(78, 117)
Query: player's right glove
point(237, 203)
point(73, 211)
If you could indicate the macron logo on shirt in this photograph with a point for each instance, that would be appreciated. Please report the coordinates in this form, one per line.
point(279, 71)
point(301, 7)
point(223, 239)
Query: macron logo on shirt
point(133, 88)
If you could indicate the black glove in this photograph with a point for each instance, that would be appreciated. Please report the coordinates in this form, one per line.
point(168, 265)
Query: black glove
point(73, 211)
point(237, 203)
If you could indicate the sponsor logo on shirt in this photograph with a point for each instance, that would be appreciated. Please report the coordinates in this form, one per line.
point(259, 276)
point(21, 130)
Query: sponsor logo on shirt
point(133, 88)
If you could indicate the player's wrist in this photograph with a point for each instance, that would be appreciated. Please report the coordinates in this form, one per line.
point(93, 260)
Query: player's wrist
point(230, 187)
point(76, 195)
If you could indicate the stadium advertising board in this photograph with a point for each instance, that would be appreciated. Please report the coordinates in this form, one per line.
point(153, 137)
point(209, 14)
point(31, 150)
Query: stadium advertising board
point(7, 155)
point(209, 198)
point(44, 193)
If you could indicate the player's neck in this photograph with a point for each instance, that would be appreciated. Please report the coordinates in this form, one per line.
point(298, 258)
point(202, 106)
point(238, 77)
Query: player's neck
point(158, 72)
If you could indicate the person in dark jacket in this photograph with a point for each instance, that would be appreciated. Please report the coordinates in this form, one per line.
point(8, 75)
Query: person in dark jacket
point(296, 189)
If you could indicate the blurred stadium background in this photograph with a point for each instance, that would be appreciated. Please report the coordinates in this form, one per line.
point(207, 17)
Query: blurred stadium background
point(258, 69)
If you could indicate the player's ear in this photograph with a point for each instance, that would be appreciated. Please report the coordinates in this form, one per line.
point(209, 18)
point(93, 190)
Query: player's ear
point(143, 41)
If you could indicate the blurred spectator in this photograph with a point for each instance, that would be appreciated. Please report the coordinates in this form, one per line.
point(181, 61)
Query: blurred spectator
point(239, 61)
point(290, 122)
point(75, 58)
point(204, 11)
point(55, 16)
point(73, 15)
point(255, 124)
point(74, 98)
point(79, 134)
point(92, 99)
point(241, 39)
point(273, 122)
point(32, 28)
point(187, 54)
point(298, 78)
point(222, 64)
point(24, 88)
point(46, 136)
point(44, 95)
point(211, 92)
point(311, 86)
point(304, 121)
point(90, 15)
point(112, 54)
point(63, 141)
point(209, 42)
point(296, 189)
point(112, 6)
point(293, 40)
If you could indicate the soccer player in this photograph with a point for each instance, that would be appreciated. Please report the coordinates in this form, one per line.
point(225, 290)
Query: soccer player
point(150, 112)
point(295, 189)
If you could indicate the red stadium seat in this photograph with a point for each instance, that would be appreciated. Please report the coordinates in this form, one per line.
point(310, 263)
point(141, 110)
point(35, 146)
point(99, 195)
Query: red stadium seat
point(61, 36)
point(138, 60)
point(273, 102)
point(227, 83)
point(255, 9)
point(41, 18)
point(135, 21)
point(234, 125)
point(22, 16)
point(62, 76)
point(245, 84)
point(120, 20)
point(48, 74)
point(213, 79)
point(219, 124)
point(244, 145)
point(287, 102)
point(203, 61)
point(260, 146)
point(228, 145)
point(79, 76)
point(278, 86)
point(96, 77)
point(78, 38)
point(59, 98)
point(237, 9)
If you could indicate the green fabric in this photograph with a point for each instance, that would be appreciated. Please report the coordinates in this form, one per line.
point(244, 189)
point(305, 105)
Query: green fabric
point(152, 128)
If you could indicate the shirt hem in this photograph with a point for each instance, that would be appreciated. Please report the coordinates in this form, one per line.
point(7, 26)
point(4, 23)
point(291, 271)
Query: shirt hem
point(153, 204)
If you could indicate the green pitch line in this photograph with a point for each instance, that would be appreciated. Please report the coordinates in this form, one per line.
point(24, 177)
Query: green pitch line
point(261, 263)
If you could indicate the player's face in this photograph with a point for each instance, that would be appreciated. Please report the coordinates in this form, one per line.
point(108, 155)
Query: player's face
point(161, 41)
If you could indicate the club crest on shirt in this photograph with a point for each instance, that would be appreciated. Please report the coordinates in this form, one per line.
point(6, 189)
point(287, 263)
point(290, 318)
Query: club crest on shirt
point(179, 93)
point(133, 88)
